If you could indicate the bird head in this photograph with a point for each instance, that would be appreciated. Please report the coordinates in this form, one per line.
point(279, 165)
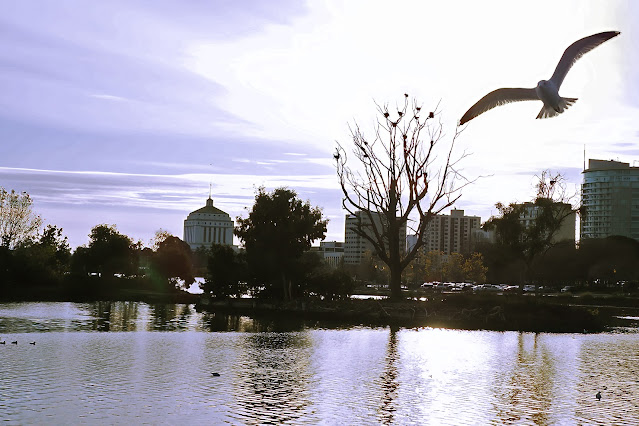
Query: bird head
point(541, 83)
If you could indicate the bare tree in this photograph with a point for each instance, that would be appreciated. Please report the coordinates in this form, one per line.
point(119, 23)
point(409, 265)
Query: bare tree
point(18, 222)
point(398, 181)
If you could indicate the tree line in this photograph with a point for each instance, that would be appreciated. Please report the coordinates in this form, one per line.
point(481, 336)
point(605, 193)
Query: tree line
point(275, 262)
point(533, 251)
point(396, 173)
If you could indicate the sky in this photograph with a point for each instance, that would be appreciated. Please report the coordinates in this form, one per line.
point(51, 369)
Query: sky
point(130, 112)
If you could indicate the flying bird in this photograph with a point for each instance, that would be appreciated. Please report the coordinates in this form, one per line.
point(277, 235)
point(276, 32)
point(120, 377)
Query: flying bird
point(546, 91)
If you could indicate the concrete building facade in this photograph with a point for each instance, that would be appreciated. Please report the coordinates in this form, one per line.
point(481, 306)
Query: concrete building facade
point(355, 245)
point(610, 195)
point(207, 226)
point(451, 233)
point(332, 252)
point(566, 230)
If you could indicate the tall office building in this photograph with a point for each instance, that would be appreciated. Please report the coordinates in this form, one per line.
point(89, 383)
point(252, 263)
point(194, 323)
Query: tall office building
point(451, 233)
point(355, 245)
point(207, 226)
point(610, 195)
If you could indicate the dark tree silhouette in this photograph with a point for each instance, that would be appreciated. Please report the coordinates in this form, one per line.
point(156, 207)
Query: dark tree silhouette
point(226, 272)
point(279, 228)
point(529, 230)
point(172, 260)
point(41, 262)
point(107, 253)
point(397, 176)
point(609, 260)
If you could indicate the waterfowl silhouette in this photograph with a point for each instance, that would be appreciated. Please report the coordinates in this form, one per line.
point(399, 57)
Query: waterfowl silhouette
point(598, 396)
point(32, 343)
point(14, 342)
point(546, 91)
point(215, 374)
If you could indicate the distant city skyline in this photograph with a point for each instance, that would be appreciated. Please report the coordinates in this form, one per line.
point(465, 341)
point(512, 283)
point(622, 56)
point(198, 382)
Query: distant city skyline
point(125, 112)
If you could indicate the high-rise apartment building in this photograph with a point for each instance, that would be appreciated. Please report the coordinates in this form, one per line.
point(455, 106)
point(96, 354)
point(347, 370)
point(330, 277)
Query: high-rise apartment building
point(566, 231)
point(355, 245)
point(451, 233)
point(610, 196)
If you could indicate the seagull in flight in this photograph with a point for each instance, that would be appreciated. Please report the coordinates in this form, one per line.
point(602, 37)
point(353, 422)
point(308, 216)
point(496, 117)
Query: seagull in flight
point(546, 91)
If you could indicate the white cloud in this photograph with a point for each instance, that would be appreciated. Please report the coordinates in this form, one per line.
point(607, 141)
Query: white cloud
point(265, 94)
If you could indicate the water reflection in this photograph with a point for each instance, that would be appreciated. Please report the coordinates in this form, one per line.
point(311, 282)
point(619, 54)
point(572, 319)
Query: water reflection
point(225, 322)
point(126, 362)
point(272, 378)
point(169, 317)
point(389, 383)
point(113, 316)
point(524, 390)
point(108, 316)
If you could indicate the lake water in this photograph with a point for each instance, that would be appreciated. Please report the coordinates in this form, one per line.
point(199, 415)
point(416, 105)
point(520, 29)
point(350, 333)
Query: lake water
point(133, 363)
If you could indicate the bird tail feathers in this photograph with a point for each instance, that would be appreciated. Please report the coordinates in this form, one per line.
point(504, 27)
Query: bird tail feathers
point(548, 111)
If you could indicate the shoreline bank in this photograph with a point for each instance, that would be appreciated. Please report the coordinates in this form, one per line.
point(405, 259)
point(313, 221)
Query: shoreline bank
point(485, 313)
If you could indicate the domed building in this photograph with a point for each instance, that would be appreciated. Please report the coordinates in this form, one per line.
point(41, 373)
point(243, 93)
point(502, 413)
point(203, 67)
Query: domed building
point(207, 226)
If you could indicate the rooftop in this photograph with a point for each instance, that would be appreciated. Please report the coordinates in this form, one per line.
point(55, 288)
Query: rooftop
point(594, 165)
point(210, 209)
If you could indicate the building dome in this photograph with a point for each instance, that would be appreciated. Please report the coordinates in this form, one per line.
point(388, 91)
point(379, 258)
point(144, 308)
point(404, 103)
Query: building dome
point(207, 226)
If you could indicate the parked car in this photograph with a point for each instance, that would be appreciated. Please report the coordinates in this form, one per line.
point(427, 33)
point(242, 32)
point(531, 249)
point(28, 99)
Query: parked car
point(566, 289)
point(441, 286)
point(492, 287)
point(529, 288)
point(486, 288)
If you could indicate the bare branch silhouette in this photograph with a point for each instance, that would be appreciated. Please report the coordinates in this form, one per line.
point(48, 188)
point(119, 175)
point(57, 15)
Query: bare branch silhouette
point(396, 180)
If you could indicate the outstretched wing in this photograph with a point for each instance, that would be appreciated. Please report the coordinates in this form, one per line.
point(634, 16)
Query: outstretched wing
point(496, 98)
point(576, 51)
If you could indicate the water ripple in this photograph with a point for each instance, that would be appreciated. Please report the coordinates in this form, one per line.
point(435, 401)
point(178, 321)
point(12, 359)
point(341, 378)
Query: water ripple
point(356, 376)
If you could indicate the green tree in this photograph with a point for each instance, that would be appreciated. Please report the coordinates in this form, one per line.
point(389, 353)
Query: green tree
point(528, 230)
point(370, 269)
point(474, 269)
point(279, 228)
point(415, 273)
point(107, 253)
point(160, 236)
point(226, 272)
point(331, 284)
point(18, 223)
point(395, 176)
point(54, 252)
point(433, 266)
point(172, 261)
point(39, 262)
point(608, 260)
point(200, 261)
point(453, 268)
point(561, 266)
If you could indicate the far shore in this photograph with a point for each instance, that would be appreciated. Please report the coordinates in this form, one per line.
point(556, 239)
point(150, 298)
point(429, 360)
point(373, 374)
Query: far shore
point(459, 311)
point(588, 312)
